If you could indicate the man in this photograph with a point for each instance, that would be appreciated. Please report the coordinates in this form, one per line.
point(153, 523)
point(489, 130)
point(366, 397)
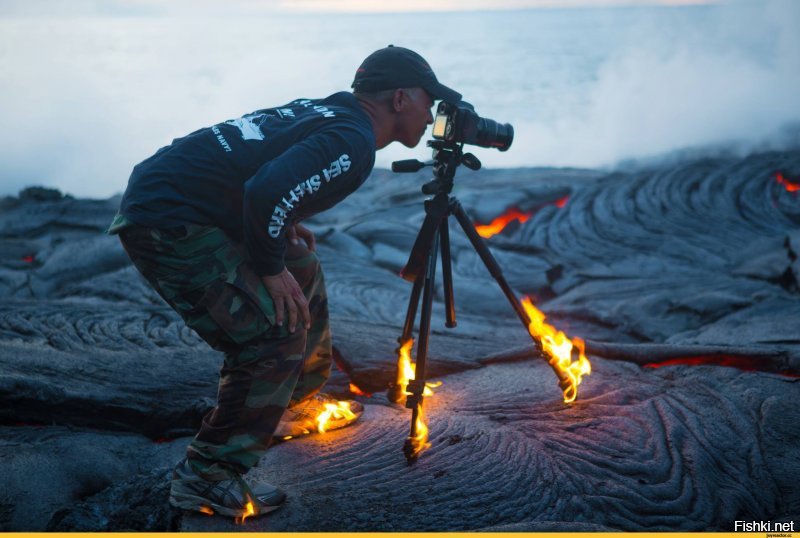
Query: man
point(212, 222)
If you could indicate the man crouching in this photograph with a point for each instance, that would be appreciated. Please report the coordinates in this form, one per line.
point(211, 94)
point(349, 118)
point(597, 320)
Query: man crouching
point(212, 221)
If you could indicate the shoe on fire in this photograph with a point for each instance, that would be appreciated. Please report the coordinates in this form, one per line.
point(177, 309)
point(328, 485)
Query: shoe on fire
point(234, 497)
point(320, 413)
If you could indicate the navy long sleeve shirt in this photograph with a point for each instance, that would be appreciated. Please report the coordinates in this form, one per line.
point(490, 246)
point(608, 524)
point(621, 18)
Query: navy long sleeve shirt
point(257, 175)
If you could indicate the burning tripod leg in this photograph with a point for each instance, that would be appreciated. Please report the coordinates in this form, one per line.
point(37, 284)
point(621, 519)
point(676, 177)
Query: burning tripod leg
point(411, 378)
point(553, 345)
point(417, 439)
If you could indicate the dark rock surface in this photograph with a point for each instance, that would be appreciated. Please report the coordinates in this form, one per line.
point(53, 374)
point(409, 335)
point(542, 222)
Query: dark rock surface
point(664, 450)
point(48, 468)
point(692, 265)
point(139, 504)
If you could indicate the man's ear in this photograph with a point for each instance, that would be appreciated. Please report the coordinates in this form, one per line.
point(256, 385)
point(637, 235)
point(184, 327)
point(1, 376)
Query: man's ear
point(399, 100)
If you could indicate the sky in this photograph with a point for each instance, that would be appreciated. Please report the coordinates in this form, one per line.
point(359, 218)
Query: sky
point(56, 8)
point(91, 87)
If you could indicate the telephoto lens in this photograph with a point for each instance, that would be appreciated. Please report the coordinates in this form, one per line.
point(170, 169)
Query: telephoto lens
point(490, 134)
point(461, 124)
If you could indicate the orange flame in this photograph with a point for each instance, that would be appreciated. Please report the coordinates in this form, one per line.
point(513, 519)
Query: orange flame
point(498, 225)
point(790, 186)
point(406, 371)
point(559, 349)
point(207, 510)
point(420, 442)
point(355, 390)
point(249, 510)
point(337, 411)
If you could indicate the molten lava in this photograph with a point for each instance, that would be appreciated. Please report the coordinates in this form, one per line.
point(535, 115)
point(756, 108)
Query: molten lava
point(790, 186)
point(355, 390)
point(406, 370)
point(499, 224)
point(747, 364)
point(337, 411)
point(559, 350)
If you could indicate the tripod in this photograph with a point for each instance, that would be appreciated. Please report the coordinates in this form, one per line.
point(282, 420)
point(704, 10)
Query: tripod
point(433, 236)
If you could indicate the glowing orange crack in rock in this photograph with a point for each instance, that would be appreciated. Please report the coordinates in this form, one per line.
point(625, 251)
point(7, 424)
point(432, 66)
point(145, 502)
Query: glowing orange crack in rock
point(790, 186)
point(559, 350)
point(499, 224)
point(356, 390)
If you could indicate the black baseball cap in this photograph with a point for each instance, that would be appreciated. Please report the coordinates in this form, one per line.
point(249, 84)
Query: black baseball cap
point(398, 67)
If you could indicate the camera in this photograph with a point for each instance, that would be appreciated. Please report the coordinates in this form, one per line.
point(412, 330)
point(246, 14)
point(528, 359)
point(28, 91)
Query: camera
point(459, 123)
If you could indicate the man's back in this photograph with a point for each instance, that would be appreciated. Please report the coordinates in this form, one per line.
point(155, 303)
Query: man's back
point(325, 147)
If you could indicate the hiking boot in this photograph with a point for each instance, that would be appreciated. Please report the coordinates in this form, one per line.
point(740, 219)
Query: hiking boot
point(233, 497)
point(320, 413)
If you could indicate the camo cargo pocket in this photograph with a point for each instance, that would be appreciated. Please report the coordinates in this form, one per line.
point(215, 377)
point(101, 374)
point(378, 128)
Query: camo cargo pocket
point(240, 304)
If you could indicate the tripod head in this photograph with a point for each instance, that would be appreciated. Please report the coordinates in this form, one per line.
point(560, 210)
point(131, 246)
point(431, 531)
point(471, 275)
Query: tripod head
point(447, 157)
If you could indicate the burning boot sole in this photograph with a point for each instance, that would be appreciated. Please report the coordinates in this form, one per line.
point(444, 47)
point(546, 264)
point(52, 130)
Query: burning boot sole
point(317, 415)
point(233, 498)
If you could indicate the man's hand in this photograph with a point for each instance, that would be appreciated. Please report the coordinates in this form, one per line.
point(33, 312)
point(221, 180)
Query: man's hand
point(287, 295)
point(300, 231)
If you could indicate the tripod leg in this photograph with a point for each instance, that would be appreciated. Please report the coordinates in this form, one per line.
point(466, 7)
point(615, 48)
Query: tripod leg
point(447, 274)
point(395, 393)
point(490, 263)
point(411, 313)
point(415, 442)
point(564, 380)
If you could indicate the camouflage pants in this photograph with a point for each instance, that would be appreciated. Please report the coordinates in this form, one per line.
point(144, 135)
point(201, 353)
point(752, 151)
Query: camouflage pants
point(207, 279)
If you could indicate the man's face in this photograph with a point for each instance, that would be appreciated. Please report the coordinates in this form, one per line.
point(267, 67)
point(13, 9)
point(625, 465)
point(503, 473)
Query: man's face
point(414, 114)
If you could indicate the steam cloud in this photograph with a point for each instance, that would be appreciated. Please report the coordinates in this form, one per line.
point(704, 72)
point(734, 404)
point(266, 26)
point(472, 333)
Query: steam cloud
point(84, 98)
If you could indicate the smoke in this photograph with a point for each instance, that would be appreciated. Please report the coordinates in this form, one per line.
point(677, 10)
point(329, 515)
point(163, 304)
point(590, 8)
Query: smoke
point(84, 98)
point(732, 82)
point(88, 98)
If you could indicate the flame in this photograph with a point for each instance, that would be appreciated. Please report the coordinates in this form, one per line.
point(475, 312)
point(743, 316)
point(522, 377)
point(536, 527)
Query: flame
point(29, 258)
point(559, 348)
point(561, 202)
point(249, 510)
point(420, 442)
point(406, 371)
point(405, 368)
point(498, 224)
point(337, 411)
point(207, 510)
point(790, 186)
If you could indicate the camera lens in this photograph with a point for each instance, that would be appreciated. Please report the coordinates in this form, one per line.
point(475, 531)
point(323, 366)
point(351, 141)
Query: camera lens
point(490, 134)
